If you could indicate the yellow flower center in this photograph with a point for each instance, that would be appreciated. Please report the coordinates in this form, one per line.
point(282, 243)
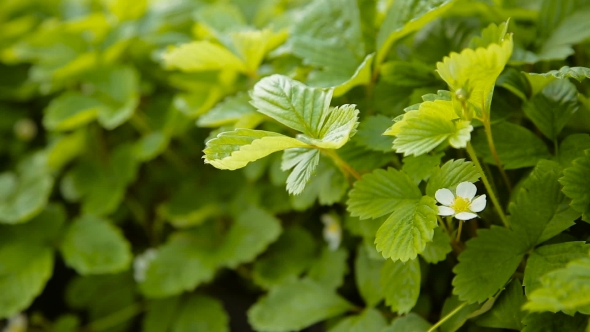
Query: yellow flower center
point(461, 204)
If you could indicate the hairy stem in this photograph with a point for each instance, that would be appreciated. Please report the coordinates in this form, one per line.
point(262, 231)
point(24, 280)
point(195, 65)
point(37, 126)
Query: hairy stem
point(445, 318)
point(343, 165)
point(486, 183)
point(488, 129)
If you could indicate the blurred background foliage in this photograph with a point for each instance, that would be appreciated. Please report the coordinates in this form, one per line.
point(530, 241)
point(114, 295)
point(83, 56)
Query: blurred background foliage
point(110, 220)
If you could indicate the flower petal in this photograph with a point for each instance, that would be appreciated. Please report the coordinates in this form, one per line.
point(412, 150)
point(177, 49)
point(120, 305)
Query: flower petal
point(465, 215)
point(444, 196)
point(466, 190)
point(445, 211)
point(478, 204)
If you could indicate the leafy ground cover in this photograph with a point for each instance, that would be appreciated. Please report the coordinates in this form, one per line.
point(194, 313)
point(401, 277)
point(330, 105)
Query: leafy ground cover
point(328, 165)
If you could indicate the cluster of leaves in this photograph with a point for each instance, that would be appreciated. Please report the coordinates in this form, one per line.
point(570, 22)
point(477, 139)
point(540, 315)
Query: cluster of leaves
point(111, 221)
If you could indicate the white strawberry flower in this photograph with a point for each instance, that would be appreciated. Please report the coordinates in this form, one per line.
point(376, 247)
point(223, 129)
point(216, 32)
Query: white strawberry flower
point(462, 206)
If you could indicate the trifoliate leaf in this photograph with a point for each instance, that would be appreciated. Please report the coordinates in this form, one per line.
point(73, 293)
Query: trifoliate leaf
point(405, 233)
point(25, 270)
point(400, 283)
point(285, 259)
point(474, 73)
point(293, 104)
point(295, 305)
point(530, 150)
point(550, 258)
point(564, 289)
point(537, 203)
point(578, 73)
point(381, 192)
point(551, 109)
point(438, 249)
point(409, 323)
point(487, 263)
point(459, 318)
point(506, 312)
point(368, 320)
point(404, 17)
point(549, 322)
point(233, 110)
point(201, 313)
point(576, 182)
point(200, 56)
point(421, 167)
point(422, 130)
point(235, 149)
point(337, 129)
point(303, 162)
point(451, 174)
point(370, 133)
point(252, 46)
point(93, 245)
point(24, 194)
point(572, 148)
point(70, 111)
point(252, 232)
point(367, 272)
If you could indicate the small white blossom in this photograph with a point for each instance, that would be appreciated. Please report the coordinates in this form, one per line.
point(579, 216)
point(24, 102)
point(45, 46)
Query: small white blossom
point(142, 262)
point(17, 323)
point(332, 231)
point(463, 206)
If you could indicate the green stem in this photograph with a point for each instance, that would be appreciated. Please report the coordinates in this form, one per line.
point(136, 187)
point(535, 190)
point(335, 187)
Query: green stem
point(344, 166)
point(445, 318)
point(116, 318)
point(488, 129)
point(458, 238)
point(442, 223)
point(486, 183)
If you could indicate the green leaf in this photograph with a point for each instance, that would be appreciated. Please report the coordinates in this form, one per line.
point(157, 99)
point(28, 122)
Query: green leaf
point(160, 314)
point(548, 322)
point(404, 17)
point(328, 185)
point(400, 283)
point(492, 34)
point(451, 174)
point(71, 110)
point(201, 56)
point(537, 205)
point(368, 320)
point(578, 73)
point(421, 167)
point(408, 323)
point(45, 228)
point(24, 194)
point(201, 313)
point(413, 74)
point(24, 271)
point(151, 145)
point(330, 268)
point(252, 232)
point(361, 76)
point(232, 110)
point(506, 312)
point(303, 162)
point(92, 245)
point(422, 130)
point(487, 263)
point(565, 289)
point(550, 258)
point(438, 249)
point(572, 29)
point(572, 148)
point(285, 259)
point(295, 305)
point(367, 272)
point(474, 72)
point(576, 182)
point(407, 231)
point(235, 149)
point(530, 150)
point(370, 133)
point(251, 46)
point(380, 193)
point(551, 109)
